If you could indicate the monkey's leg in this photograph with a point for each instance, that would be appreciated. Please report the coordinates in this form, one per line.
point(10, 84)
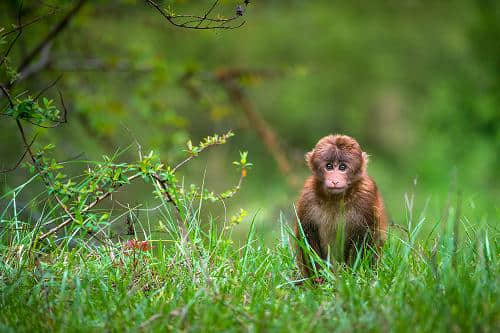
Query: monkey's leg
point(380, 227)
point(310, 230)
point(363, 244)
point(359, 240)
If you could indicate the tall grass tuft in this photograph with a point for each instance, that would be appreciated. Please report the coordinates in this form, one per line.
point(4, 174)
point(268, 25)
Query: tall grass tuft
point(428, 280)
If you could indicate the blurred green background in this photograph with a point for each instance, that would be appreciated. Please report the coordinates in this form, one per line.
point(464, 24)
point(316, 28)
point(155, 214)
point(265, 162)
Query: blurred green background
point(416, 82)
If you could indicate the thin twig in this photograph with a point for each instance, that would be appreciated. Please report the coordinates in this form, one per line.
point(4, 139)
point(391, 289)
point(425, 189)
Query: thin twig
point(182, 163)
point(30, 152)
point(20, 31)
point(22, 157)
point(190, 157)
point(35, 20)
point(180, 220)
point(56, 30)
point(65, 109)
point(6, 93)
point(173, 18)
point(90, 206)
point(48, 87)
point(207, 13)
point(73, 158)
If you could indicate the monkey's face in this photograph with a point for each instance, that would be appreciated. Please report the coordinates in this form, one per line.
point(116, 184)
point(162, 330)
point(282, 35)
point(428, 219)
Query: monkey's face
point(335, 177)
point(337, 162)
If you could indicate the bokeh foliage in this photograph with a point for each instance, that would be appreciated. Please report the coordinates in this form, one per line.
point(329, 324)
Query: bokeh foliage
point(416, 82)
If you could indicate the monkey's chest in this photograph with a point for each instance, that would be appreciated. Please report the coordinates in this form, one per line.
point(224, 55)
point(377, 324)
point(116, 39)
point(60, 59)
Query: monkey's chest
point(336, 229)
point(332, 234)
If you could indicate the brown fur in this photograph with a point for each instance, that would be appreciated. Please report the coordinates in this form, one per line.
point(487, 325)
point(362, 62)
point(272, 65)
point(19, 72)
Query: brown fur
point(356, 210)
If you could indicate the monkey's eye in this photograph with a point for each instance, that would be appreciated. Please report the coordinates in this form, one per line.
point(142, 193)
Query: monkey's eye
point(342, 167)
point(329, 166)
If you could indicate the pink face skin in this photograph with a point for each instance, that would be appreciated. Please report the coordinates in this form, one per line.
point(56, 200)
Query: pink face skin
point(336, 161)
point(335, 177)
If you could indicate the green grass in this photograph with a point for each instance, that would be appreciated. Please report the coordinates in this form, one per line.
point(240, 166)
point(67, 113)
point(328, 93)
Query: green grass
point(433, 276)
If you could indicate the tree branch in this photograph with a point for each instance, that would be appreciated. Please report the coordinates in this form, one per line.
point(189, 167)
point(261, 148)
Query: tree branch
point(264, 130)
point(22, 26)
point(38, 66)
point(195, 21)
point(228, 78)
point(6, 93)
point(22, 157)
point(20, 31)
point(86, 209)
point(57, 29)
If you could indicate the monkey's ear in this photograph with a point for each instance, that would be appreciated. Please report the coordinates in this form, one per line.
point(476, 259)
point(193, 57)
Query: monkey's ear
point(308, 158)
point(365, 158)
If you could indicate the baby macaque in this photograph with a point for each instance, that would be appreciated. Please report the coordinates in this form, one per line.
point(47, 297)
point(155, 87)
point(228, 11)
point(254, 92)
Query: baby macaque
point(340, 209)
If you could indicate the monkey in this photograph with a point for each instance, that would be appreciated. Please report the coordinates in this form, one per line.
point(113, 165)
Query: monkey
point(340, 207)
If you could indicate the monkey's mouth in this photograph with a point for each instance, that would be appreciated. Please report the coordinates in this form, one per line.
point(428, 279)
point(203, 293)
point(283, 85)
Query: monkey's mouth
point(336, 190)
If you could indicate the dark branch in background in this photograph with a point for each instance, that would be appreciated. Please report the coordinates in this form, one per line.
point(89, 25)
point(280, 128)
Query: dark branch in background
point(27, 68)
point(21, 158)
point(42, 63)
point(207, 13)
point(50, 36)
point(6, 93)
point(267, 134)
point(203, 22)
point(229, 79)
point(20, 31)
point(48, 87)
point(80, 64)
point(26, 145)
point(22, 26)
point(65, 114)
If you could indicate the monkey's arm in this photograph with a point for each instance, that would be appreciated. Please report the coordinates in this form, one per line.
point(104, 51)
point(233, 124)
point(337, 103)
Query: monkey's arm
point(310, 231)
point(380, 214)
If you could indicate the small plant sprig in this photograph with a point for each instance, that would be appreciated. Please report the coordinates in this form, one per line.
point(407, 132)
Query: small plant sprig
point(78, 198)
point(33, 111)
point(195, 192)
point(237, 218)
point(243, 164)
point(37, 111)
point(208, 142)
point(10, 72)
